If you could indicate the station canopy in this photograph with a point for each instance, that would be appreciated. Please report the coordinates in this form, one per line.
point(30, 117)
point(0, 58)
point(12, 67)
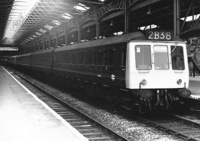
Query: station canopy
point(25, 20)
point(19, 17)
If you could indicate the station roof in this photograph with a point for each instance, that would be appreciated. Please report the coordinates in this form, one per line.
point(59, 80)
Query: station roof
point(22, 18)
point(18, 17)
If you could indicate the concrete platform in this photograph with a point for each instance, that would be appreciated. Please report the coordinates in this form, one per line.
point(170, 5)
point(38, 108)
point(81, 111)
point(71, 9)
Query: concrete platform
point(194, 87)
point(23, 117)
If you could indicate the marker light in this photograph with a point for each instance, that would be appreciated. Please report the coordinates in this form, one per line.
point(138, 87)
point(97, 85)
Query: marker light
point(143, 82)
point(179, 81)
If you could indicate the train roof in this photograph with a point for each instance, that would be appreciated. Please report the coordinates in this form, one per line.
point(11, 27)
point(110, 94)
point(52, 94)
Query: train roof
point(43, 51)
point(106, 41)
point(13, 56)
point(23, 55)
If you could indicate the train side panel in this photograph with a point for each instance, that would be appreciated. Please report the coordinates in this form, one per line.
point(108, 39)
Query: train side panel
point(42, 61)
point(105, 65)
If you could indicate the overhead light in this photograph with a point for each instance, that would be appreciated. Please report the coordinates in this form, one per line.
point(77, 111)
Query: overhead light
point(34, 36)
point(42, 30)
point(56, 22)
point(88, 30)
point(152, 26)
point(111, 23)
point(67, 16)
point(118, 33)
point(30, 38)
point(149, 12)
point(81, 7)
point(190, 18)
point(48, 26)
point(37, 33)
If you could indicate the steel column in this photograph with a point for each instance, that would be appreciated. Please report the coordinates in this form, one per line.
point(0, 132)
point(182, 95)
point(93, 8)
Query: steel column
point(66, 34)
point(126, 17)
point(97, 24)
point(176, 18)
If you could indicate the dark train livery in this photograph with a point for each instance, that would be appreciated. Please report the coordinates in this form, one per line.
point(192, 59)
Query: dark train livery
point(122, 69)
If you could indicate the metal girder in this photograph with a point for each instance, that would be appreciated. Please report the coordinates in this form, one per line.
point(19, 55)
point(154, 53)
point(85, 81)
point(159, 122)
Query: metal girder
point(146, 3)
point(191, 28)
point(48, 10)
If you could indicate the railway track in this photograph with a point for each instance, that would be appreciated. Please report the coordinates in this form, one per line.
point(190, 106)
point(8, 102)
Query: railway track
point(86, 125)
point(175, 125)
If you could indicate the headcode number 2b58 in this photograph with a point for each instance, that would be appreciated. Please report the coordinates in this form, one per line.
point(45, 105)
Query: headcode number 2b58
point(156, 35)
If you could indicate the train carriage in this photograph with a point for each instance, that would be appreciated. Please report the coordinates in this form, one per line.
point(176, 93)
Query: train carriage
point(101, 61)
point(152, 71)
point(11, 60)
point(24, 60)
point(42, 60)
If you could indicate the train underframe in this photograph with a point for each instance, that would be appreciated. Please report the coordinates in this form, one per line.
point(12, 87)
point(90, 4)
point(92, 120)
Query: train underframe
point(144, 101)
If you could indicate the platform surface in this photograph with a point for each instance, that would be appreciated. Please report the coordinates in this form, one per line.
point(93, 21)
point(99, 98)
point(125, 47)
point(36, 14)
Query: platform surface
point(23, 117)
point(194, 87)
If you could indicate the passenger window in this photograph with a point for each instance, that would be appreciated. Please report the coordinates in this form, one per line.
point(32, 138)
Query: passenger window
point(161, 59)
point(143, 57)
point(90, 58)
point(72, 58)
point(81, 57)
point(177, 58)
point(100, 58)
point(111, 56)
point(123, 57)
point(75, 58)
point(84, 58)
point(95, 58)
point(105, 57)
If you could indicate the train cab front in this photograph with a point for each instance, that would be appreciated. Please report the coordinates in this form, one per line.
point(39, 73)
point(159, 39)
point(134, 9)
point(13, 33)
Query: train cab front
point(158, 70)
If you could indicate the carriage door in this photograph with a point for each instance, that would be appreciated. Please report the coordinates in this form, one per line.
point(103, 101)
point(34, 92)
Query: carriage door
point(109, 69)
point(99, 62)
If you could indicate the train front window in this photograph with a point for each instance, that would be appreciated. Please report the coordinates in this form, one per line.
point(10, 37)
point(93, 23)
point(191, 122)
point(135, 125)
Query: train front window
point(143, 57)
point(177, 58)
point(161, 59)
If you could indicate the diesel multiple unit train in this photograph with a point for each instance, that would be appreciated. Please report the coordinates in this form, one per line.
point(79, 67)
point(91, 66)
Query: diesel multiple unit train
point(144, 72)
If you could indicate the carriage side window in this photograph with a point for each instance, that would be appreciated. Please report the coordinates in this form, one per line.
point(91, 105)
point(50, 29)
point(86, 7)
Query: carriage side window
point(177, 58)
point(75, 58)
point(90, 58)
point(81, 57)
point(70, 58)
point(99, 58)
point(111, 56)
point(62, 59)
point(84, 58)
point(143, 57)
point(123, 57)
point(105, 57)
point(66, 57)
point(161, 59)
point(95, 58)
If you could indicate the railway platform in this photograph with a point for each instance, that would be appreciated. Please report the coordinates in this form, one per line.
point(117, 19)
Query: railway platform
point(23, 117)
point(194, 87)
